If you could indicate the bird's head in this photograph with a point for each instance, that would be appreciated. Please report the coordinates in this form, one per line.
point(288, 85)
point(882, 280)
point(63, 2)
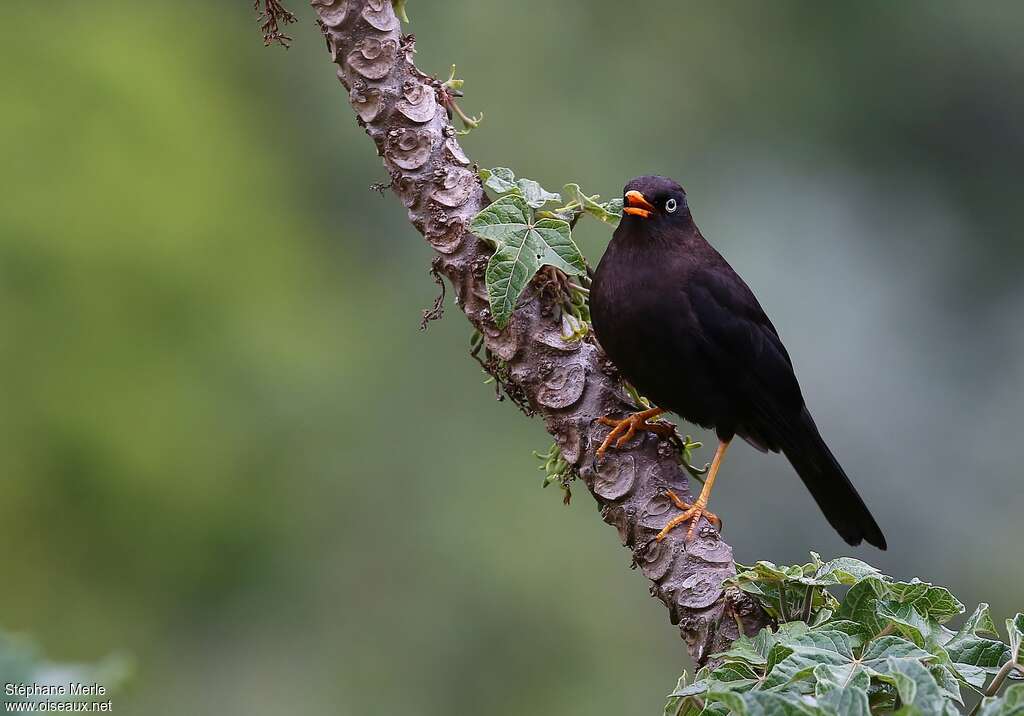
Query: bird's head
point(654, 198)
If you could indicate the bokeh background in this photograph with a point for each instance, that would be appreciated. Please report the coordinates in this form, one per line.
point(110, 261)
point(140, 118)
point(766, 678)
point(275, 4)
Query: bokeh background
point(229, 451)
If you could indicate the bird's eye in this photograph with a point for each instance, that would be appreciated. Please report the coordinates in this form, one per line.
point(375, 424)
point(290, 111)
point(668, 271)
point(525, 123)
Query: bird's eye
point(670, 206)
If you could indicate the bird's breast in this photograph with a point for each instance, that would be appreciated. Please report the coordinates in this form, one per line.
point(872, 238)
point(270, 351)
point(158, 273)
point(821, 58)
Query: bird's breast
point(642, 316)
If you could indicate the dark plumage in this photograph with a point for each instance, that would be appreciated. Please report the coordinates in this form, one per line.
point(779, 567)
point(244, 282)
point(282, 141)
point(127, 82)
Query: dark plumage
point(689, 334)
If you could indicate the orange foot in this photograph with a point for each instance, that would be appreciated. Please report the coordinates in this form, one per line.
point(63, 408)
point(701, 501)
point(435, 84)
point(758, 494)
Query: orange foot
point(691, 513)
point(626, 428)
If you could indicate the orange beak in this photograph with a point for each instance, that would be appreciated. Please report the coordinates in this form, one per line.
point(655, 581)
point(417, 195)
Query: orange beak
point(637, 205)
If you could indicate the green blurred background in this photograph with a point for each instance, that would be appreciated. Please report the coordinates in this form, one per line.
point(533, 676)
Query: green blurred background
point(228, 450)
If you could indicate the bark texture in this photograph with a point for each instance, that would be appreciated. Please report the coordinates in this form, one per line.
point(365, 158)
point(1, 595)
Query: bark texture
point(570, 385)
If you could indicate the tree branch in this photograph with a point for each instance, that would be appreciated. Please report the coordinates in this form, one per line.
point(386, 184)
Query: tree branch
point(569, 384)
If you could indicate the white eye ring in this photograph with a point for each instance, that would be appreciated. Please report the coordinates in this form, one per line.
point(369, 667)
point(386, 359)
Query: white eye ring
point(670, 206)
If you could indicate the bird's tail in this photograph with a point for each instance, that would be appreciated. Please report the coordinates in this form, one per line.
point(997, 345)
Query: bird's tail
point(830, 486)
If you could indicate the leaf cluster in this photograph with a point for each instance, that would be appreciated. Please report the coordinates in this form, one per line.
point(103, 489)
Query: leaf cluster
point(530, 228)
point(556, 470)
point(882, 648)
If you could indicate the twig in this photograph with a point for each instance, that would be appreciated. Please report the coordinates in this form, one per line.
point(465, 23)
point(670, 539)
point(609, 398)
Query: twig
point(808, 603)
point(435, 312)
point(783, 612)
point(997, 682)
point(273, 15)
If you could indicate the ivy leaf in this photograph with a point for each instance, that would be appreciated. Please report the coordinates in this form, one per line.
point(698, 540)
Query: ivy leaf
point(743, 649)
point(915, 684)
point(536, 195)
point(892, 647)
point(929, 600)
point(1011, 703)
point(775, 586)
point(978, 651)
point(681, 705)
point(828, 678)
point(973, 656)
point(907, 621)
point(502, 181)
point(614, 207)
point(1015, 627)
point(797, 657)
point(728, 677)
point(609, 212)
point(860, 604)
point(883, 647)
point(844, 570)
point(737, 674)
point(976, 676)
point(768, 572)
point(765, 703)
point(979, 622)
point(858, 633)
point(846, 700)
point(522, 245)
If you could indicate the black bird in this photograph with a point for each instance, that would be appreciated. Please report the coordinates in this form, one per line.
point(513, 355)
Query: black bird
point(688, 333)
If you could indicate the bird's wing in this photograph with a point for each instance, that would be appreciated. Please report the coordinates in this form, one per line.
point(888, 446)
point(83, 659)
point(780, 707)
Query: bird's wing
point(749, 360)
point(751, 366)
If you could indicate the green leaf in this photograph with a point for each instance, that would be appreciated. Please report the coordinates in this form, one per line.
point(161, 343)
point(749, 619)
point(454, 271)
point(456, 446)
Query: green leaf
point(1015, 628)
point(948, 681)
point(766, 703)
point(536, 195)
point(975, 676)
point(764, 571)
point(614, 207)
point(860, 604)
point(978, 651)
point(823, 616)
point(929, 600)
point(979, 622)
point(677, 705)
point(763, 642)
point(797, 657)
point(742, 649)
point(500, 180)
point(828, 657)
point(609, 212)
point(828, 677)
point(775, 585)
point(522, 245)
point(735, 672)
point(841, 666)
point(1011, 703)
point(846, 701)
point(892, 647)
point(907, 620)
point(915, 684)
point(858, 633)
point(974, 657)
point(729, 677)
point(844, 570)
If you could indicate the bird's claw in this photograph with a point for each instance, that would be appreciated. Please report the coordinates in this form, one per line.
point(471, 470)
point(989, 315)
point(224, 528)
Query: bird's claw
point(691, 513)
point(625, 429)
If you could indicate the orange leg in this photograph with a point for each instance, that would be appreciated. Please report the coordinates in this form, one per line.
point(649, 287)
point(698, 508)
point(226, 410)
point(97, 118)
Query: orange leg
point(626, 428)
point(698, 509)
